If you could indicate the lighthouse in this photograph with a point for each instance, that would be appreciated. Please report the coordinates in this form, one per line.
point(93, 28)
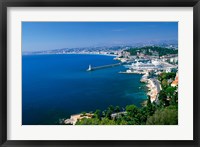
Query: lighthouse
point(89, 68)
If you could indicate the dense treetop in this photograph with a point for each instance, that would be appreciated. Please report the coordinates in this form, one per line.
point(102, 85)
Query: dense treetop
point(152, 50)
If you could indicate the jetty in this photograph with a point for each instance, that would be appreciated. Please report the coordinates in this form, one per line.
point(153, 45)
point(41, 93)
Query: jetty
point(90, 68)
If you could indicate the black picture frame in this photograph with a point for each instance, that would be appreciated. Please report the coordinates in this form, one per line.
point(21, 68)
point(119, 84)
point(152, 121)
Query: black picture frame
point(4, 4)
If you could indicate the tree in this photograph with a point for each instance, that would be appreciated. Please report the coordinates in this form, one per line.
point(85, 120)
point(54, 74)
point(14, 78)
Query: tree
point(163, 98)
point(131, 109)
point(171, 75)
point(164, 116)
point(148, 101)
point(144, 114)
point(88, 121)
point(97, 114)
point(170, 91)
point(174, 98)
point(150, 109)
point(117, 109)
point(133, 115)
point(164, 83)
point(106, 121)
point(109, 111)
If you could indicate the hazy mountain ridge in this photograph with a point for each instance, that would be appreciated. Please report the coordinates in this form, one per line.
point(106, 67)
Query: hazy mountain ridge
point(108, 48)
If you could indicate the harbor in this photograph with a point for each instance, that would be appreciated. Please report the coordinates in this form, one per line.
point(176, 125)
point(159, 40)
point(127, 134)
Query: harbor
point(150, 69)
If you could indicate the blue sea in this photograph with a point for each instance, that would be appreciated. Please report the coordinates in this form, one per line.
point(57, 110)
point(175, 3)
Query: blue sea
point(57, 86)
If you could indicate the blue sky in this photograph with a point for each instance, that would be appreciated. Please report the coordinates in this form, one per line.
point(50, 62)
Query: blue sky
point(37, 36)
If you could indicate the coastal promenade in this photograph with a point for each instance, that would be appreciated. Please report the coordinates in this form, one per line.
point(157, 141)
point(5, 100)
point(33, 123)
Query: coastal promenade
point(154, 87)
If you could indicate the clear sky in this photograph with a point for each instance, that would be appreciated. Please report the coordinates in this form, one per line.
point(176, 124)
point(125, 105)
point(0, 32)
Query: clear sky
point(37, 36)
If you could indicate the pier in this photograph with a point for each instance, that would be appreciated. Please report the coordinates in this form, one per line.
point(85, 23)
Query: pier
point(90, 68)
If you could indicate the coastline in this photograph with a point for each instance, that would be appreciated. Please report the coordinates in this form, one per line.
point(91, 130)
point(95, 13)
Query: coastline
point(154, 89)
point(153, 92)
point(31, 54)
point(78, 116)
point(152, 85)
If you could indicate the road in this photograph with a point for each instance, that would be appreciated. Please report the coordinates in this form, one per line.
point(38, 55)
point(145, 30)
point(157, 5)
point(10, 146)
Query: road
point(158, 87)
point(157, 84)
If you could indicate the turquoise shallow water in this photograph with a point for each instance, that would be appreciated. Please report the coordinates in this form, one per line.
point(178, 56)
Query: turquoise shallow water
point(56, 86)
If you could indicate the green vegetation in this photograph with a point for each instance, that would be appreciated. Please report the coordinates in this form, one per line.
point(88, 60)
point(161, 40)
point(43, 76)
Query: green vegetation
point(168, 95)
point(152, 50)
point(164, 112)
point(164, 116)
point(165, 75)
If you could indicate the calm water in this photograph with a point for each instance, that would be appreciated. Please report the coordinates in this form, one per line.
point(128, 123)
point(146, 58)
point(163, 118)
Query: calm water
point(56, 86)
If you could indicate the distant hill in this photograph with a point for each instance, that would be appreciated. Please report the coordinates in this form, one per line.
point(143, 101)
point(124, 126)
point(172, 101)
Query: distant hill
point(172, 44)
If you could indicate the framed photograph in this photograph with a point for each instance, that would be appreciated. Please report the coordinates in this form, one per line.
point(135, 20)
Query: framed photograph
point(86, 73)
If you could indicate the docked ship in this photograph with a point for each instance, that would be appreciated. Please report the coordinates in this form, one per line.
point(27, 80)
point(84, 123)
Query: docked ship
point(149, 65)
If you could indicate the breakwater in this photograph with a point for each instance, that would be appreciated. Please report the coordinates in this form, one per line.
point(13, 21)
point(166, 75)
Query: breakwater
point(90, 68)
